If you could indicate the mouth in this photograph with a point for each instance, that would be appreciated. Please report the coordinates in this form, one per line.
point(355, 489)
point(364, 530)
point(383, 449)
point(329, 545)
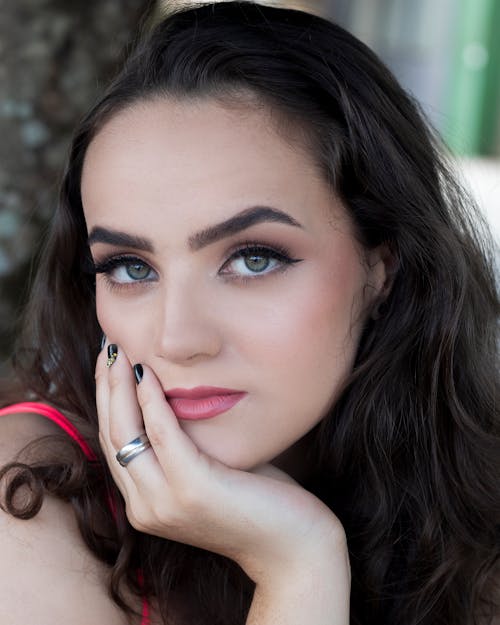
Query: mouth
point(202, 402)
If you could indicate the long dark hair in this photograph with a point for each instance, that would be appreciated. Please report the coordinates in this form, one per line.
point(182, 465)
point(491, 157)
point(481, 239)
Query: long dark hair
point(409, 456)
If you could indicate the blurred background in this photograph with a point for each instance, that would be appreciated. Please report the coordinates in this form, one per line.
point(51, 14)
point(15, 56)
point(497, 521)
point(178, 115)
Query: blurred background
point(56, 55)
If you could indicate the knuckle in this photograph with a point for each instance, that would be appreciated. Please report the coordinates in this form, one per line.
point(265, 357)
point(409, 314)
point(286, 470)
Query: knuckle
point(145, 396)
point(136, 514)
point(136, 524)
point(149, 521)
point(114, 381)
point(135, 521)
point(115, 435)
point(156, 434)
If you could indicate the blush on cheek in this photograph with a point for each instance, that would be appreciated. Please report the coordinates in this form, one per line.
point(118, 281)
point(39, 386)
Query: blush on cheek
point(118, 324)
point(322, 315)
point(106, 316)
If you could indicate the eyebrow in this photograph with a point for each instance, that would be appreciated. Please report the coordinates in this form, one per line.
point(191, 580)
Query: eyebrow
point(120, 239)
point(241, 221)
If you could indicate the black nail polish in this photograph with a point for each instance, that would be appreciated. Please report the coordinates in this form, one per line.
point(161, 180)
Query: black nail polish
point(103, 341)
point(138, 372)
point(112, 354)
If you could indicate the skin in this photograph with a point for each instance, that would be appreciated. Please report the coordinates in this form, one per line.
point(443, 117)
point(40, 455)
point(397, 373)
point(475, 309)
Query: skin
point(162, 171)
point(165, 170)
point(48, 573)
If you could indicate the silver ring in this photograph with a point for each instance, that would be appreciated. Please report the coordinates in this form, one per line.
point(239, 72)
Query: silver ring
point(129, 451)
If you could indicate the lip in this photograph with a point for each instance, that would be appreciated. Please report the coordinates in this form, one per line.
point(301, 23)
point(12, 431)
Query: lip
point(200, 392)
point(202, 402)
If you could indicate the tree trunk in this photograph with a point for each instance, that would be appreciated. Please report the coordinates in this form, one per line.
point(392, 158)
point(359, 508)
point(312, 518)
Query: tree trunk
point(54, 57)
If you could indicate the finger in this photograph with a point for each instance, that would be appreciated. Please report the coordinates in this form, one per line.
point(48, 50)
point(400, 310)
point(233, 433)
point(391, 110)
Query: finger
point(102, 404)
point(125, 419)
point(175, 451)
point(144, 485)
point(102, 399)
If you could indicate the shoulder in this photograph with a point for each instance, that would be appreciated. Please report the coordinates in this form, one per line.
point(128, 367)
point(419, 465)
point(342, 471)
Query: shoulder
point(48, 574)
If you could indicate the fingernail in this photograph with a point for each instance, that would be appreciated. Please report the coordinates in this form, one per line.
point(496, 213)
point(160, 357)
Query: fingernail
point(112, 354)
point(103, 341)
point(138, 372)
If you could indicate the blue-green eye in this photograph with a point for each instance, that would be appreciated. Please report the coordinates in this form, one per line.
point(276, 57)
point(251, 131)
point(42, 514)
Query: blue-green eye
point(254, 260)
point(125, 270)
point(257, 263)
point(137, 270)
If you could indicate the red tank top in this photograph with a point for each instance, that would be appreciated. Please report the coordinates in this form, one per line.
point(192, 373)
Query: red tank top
point(57, 417)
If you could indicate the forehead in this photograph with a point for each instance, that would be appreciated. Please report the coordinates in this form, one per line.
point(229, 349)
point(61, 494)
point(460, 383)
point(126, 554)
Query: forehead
point(181, 130)
point(198, 155)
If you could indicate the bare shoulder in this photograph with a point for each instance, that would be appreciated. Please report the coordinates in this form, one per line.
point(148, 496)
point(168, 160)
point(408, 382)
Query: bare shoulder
point(48, 574)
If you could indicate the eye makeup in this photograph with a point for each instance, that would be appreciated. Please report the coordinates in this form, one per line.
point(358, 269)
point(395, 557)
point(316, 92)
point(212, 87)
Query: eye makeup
point(250, 260)
point(125, 270)
point(252, 252)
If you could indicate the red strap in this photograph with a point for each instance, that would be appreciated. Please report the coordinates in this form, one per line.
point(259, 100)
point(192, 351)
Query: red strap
point(145, 605)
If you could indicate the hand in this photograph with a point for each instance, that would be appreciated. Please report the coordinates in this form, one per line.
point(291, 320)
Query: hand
point(261, 519)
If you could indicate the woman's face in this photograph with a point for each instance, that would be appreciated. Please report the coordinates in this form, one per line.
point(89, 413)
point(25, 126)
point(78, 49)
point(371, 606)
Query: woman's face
point(225, 260)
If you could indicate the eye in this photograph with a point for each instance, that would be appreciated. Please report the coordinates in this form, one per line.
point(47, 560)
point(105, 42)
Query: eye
point(254, 260)
point(137, 270)
point(122, 270)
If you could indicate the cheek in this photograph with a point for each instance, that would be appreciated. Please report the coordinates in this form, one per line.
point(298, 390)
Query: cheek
point(126, 325)
point(305, 343)
point(314, 320)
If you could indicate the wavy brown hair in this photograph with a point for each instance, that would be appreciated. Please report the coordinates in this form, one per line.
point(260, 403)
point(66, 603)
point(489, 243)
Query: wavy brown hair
point(408, 458)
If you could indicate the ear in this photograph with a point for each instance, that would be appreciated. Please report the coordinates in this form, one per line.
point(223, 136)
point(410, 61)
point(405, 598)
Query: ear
point(382, 267)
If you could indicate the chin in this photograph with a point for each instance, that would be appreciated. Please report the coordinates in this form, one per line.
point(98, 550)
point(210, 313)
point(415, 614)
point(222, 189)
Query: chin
point(241, 462)
point(229, 446)
point(232, 456)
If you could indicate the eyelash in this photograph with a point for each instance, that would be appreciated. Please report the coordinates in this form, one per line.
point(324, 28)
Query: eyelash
point(244, 250)
point(107, 266)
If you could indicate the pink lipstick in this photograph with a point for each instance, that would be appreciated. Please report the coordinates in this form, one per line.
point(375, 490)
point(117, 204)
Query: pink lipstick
point(202, 402)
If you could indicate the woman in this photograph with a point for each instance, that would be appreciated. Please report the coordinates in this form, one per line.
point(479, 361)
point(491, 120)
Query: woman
point(297, 375)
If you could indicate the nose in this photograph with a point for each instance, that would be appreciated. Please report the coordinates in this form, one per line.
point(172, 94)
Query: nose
point(188, 328)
